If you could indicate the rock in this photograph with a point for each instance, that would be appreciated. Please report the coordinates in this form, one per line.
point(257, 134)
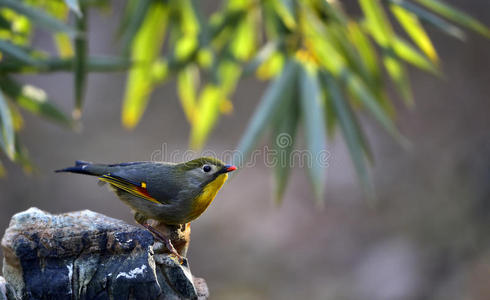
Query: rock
point(6, 291)
point(86, 255)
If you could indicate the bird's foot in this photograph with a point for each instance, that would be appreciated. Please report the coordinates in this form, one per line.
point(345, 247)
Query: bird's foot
point(166, 241)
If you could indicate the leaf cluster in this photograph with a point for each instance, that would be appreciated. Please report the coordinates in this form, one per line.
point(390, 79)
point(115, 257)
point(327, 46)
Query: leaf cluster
point(324, 65)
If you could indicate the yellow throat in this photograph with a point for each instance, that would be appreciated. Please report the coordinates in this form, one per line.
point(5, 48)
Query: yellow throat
point(202, 201)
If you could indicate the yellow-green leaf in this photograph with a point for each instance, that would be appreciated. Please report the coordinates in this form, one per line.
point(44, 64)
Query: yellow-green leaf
point(406, 52)
point(396, 70)
point(144, 52)
point(187, 86)
point(207, 115)
point(63, 44)
point(431, 18)
point(455, 15)
point(3, 171)
point(244, 41)
point(414, 29)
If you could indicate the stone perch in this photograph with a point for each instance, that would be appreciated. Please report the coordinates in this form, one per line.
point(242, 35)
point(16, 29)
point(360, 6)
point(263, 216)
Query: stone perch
point(86, 255)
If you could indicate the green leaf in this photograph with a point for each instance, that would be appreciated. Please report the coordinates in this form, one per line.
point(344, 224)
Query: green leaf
point(414, 29)
point(80, 65)
point(406, 52)
point(284, 134)
point(357, 87)
point(455, 15)
point(144, 53)
point(187, 85)
point(55, 64)
point(398, 74)
point(229, 73)
point(135, 15)
point(380, 28)
point(266, 110)
point(262, 55)
point(63, 44)
point(3, 171)
point(7, 137)
point(244, 40)
point(314, 125)
point(74, 6)
point(34, 100)
point(377, 22)
point(38, 16)
point(366, 50)
point(286, 11)
point(207, 114)
point(17, 52)
point(350, 130)
point(431, 18)
point(22, 156)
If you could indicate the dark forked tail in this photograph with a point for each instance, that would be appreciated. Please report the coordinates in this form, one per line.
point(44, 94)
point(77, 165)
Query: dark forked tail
point(81, 167)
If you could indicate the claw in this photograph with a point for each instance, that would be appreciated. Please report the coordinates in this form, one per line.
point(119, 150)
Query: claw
point(166, 241)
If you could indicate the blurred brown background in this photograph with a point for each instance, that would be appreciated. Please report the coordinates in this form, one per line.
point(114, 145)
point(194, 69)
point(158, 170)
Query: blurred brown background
point(428, 236)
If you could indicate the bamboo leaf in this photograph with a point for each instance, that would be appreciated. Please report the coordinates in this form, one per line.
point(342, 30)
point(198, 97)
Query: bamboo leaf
point(398, 74)
point(17, 52)
point(7, 137)
point(377, 22)
point(431, 18)
point(80, 63)
point(314, 125)
point(265, 112)
point(351, 132)
point(244, 41)
point(406, 52)
point(22, 156)
point(34, 100)
point(145, 50)
point(74, 6)
point(187, 85)
point(17, 119)
point(286, 11)
point(38, 16)
point(3, 171)
point(380, 28)
point(414, 29)
point(365, 49)
point(262, 55)
point(207, 114)
point(284, 134)
point(55, 64)
point(457, 16)
point(356, 86)
point(135, 16)
point(63, 44)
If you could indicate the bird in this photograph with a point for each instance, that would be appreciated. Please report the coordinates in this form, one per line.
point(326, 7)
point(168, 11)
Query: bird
point(171, 193)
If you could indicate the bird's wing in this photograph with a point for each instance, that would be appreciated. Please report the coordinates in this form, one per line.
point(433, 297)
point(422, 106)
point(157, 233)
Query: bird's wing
point(138, 189)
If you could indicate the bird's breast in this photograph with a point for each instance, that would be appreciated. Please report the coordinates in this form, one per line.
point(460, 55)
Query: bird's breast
point(207, 195)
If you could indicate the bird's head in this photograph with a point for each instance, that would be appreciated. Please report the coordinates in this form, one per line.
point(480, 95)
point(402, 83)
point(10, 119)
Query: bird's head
point(204, 170)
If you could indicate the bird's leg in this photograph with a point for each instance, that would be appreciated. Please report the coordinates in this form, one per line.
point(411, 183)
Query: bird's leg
point(164, 239)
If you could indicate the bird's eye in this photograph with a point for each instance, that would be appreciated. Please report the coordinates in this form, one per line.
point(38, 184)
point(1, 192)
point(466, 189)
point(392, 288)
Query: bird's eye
point(206, 168)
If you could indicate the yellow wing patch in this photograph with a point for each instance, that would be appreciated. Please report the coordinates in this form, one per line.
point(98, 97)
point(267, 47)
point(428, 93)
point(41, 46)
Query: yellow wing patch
point(129, 187)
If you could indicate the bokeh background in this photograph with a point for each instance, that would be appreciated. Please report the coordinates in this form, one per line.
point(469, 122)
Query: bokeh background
point(426, 237)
